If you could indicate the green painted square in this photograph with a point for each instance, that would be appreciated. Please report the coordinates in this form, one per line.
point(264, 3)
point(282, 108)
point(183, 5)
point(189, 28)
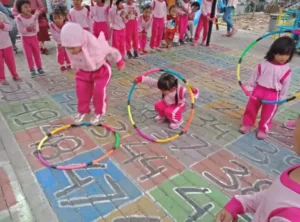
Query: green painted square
point(30, 113)
point(185, 194)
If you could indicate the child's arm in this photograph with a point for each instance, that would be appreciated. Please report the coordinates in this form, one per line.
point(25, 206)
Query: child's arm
point(194, 90)
point(285, 86)
point(55, 35)
point(5, 25)
point(252, 82)
point(24, 30)
point(147, 80)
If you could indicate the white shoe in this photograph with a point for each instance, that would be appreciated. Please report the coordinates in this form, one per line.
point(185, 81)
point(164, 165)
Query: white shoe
point(96, 119)
point(159, 119)
point(79, 118)
point(176, 125)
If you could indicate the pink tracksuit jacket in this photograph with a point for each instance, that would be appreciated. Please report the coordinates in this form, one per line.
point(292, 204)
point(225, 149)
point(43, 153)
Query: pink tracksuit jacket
point(99, 15)
point(82, 17)
point(279, 203)
point(132, 36)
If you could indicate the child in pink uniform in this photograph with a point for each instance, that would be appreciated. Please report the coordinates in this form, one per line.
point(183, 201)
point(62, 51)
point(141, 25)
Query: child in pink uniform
point(88, 55)
point(279, 203)
point(145, 22)
point(81, 15)
point(28, 28)
point(184, 10)
point(132, 34)
point(159, 11)
point(59, 19)
point(173, 104)
point(118, 20)
point(270, 81)
point(203, 22)
point(99, 14)
point(6, 51)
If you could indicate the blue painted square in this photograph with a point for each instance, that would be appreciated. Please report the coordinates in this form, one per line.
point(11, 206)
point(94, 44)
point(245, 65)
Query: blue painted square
point(89, 193)
point(271, 158)
point(67, 100)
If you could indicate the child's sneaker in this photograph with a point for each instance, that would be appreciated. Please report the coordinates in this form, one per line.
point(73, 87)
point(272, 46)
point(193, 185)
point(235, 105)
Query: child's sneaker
point(63, 68)
point(176, 125)
point(159, 119)
point(245, 129)
point(69, 67)
point(261, 135)
point(181, 42)
point(41, 71)
point(4, 82)
point(135, 54)
point(96, 119)
point(33, 73)
point(191, 39)
point(195, 43)
point(79, 118)
point(129, 55)
point(17, 78)
point(290, 124)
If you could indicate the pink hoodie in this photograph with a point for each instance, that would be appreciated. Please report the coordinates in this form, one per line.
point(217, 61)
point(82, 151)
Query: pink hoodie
point(159, 9)
point(94, 51)
point(206, 8)
point(185, 8)
point(55, 32)
point(5, 27)
point(81, 16)
point(129, 9)
point(117, 22)
point(27, 25)
point(144, 26)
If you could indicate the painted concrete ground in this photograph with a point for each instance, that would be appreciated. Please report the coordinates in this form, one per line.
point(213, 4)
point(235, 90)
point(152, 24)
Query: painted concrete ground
point(188, 180)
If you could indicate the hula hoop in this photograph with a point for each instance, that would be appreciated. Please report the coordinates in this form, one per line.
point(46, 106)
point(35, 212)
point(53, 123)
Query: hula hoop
point(77, 166)
point(238, 70)
point(184, 130)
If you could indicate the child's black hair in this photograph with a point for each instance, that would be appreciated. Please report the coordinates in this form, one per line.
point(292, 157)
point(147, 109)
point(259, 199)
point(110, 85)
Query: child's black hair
point(118, 2)
point(196, 4)
point(59, 10)
point(284, 45)
point(168, 82)
point(147, 6)
point(20, 3)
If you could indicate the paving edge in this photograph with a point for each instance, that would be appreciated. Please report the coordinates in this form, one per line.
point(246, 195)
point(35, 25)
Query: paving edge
point(34, 195)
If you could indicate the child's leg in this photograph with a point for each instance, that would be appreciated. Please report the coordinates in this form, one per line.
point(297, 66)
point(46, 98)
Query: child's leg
point(160, 107)
point(101, 80)
point(135, 36)
point(96, 30)
point(28, 51)
point(61, 55)
point(122, 42)
point(268, 111)
point(205, 29)
point(2, 69)
point(84, 91)
point(155, 27)
point(160, 33)
point(67, 60)
point(116, 40)
point(143, 40)
point(36, 52)
point(199, 27)
point(8, 56)
point(183, 24)
point(174, 112)
point(129, 34)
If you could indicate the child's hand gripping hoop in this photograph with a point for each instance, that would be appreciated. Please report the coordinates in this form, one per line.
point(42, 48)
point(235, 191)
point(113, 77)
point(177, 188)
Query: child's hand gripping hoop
point(184, 130)
point(238, 70)
point(77, 166)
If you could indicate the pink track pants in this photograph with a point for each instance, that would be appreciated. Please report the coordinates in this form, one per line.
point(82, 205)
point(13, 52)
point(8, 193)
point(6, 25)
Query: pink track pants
point(32, 51)
point(92, 85)
point(101, 27)
point(62, 56)
point(158, 26)
point(143, 40)
point(118, 40)
point(268, 111)
point(173, 113)
point(183, 24)
point(202, 24)
point(132, 35)
point(7, 56)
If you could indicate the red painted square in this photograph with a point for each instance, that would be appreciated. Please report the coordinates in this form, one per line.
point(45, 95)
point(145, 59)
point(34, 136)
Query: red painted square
point(231, 173)
point(62, 146)
point(141, 160)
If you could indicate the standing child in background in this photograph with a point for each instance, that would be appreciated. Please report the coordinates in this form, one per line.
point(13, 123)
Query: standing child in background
point(132, 33)
point(184, 11)
point(145, 22)
point(270, 81)
point(59, 16)
point(190, 31)
point(99, 15)
point(171, 26)
point(118, 20)
point(28, 28)
point(89, 56)
point(204, 21)
point(81, 15)
point(279, 203)
point(6, 51)
point(159, 10)
point(172, 104)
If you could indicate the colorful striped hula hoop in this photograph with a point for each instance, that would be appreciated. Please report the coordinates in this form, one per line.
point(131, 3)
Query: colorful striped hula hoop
point(238, 70)
point(184, 130)
point(77, 166)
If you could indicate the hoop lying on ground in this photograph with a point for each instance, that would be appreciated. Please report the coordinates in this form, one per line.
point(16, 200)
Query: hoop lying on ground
point(191, 112)
point(77, 166)
point(238, 70)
